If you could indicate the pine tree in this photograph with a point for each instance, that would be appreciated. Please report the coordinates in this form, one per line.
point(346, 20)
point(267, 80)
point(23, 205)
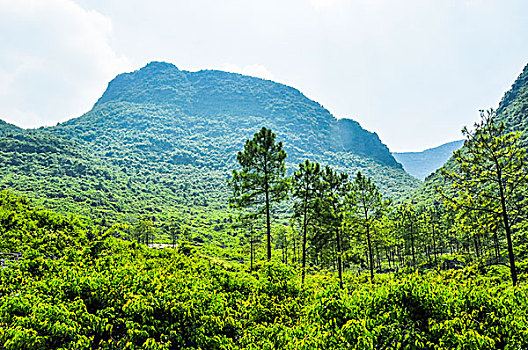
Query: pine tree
point(306, 192)
point(144, 229)
point(492, 177)
point(261, 182)
point(336, 187)
point(367, 206)
point(407, 223)
point(173, 226)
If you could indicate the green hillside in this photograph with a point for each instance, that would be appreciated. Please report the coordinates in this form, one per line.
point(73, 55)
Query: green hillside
point(62, 173)
point(512, 110)
point(421, 164)
point(162, 140)
point(153, 156)
point(211, 113)
point(8, 129)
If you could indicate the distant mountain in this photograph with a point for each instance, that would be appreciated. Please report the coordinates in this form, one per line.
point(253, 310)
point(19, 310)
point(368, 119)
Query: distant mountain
point(166, 140)
point(421, 164)
point(512, 110)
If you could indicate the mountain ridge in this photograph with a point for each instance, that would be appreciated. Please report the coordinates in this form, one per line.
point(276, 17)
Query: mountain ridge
point(421, 164)
point(7, 128)
point(512, 110)
point(194, 93)
point(167, 141)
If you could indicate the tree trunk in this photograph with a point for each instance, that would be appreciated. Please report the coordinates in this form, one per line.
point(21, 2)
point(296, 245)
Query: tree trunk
point(434, 246)
point(507, 228)
point(371, 259)
point(286, 255)
point(412, 245)
point(378, 259)
point(268, 222)
point(388, 256)
point(339, 262)
point(294, 257)
point(497, 245)
point(251, 252)
point(477, 250)
point(305, 227)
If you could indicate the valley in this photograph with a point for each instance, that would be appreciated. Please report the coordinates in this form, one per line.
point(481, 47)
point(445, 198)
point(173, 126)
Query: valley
point(214, 210)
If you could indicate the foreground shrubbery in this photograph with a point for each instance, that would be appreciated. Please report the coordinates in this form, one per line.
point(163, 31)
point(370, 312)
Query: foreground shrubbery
point(97, 292)
point(126, 296)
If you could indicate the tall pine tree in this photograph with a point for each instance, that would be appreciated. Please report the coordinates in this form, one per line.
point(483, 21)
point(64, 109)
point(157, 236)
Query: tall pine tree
point(306, 193)
point(367, 206)
point(492, 177)
point(261, 182)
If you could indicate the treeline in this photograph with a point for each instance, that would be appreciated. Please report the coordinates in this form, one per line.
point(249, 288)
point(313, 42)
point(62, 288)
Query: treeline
point(343, 223)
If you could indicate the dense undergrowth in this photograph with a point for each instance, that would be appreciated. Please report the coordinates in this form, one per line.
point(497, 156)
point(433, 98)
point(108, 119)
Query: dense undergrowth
point(94, 291)
point(125, 296)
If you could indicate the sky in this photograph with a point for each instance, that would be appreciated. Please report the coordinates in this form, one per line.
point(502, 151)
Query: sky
point(413, 71)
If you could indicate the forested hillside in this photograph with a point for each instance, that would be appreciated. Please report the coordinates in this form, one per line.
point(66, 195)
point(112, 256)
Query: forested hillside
point(421, 164)
point(255, 251)
point(8, 129)
point(512, 111)
point(161, 140)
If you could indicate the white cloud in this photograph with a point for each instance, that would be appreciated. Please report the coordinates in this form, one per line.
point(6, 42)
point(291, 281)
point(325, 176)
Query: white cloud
point(56, 60)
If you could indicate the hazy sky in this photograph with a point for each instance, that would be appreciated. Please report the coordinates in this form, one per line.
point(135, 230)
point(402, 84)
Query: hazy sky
point(414, 71)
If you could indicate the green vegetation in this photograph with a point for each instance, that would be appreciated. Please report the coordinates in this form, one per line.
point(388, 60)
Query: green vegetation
point(100, 292)
point(161, 140)
point(262, 181)
point(492, 182)
point(367, 207)
point(512, 111)
point(8, 129)
point(349, 268)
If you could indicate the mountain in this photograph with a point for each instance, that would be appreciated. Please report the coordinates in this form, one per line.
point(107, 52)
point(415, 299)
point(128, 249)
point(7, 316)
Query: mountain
point(226, 107)
point(8, 129)
point(512, 110)
point(421, 164)
point(162, 140)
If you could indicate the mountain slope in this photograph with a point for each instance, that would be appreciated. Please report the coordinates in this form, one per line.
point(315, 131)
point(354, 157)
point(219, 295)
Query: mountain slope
point(512, 110)
point(169, 138)
point(222, 102)
point(162, 115)
point(421, 164)
point(8, 129)
point(61, 173)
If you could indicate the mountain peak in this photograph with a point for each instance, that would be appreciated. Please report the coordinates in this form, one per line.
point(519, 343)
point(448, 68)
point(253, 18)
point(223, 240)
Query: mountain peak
point(155, 82)
point(7, 128)
point(159, 65)
point(234, 106)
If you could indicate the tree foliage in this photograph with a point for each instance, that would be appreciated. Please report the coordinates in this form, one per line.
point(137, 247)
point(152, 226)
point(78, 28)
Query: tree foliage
point(261, 182)
point(493, 177)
